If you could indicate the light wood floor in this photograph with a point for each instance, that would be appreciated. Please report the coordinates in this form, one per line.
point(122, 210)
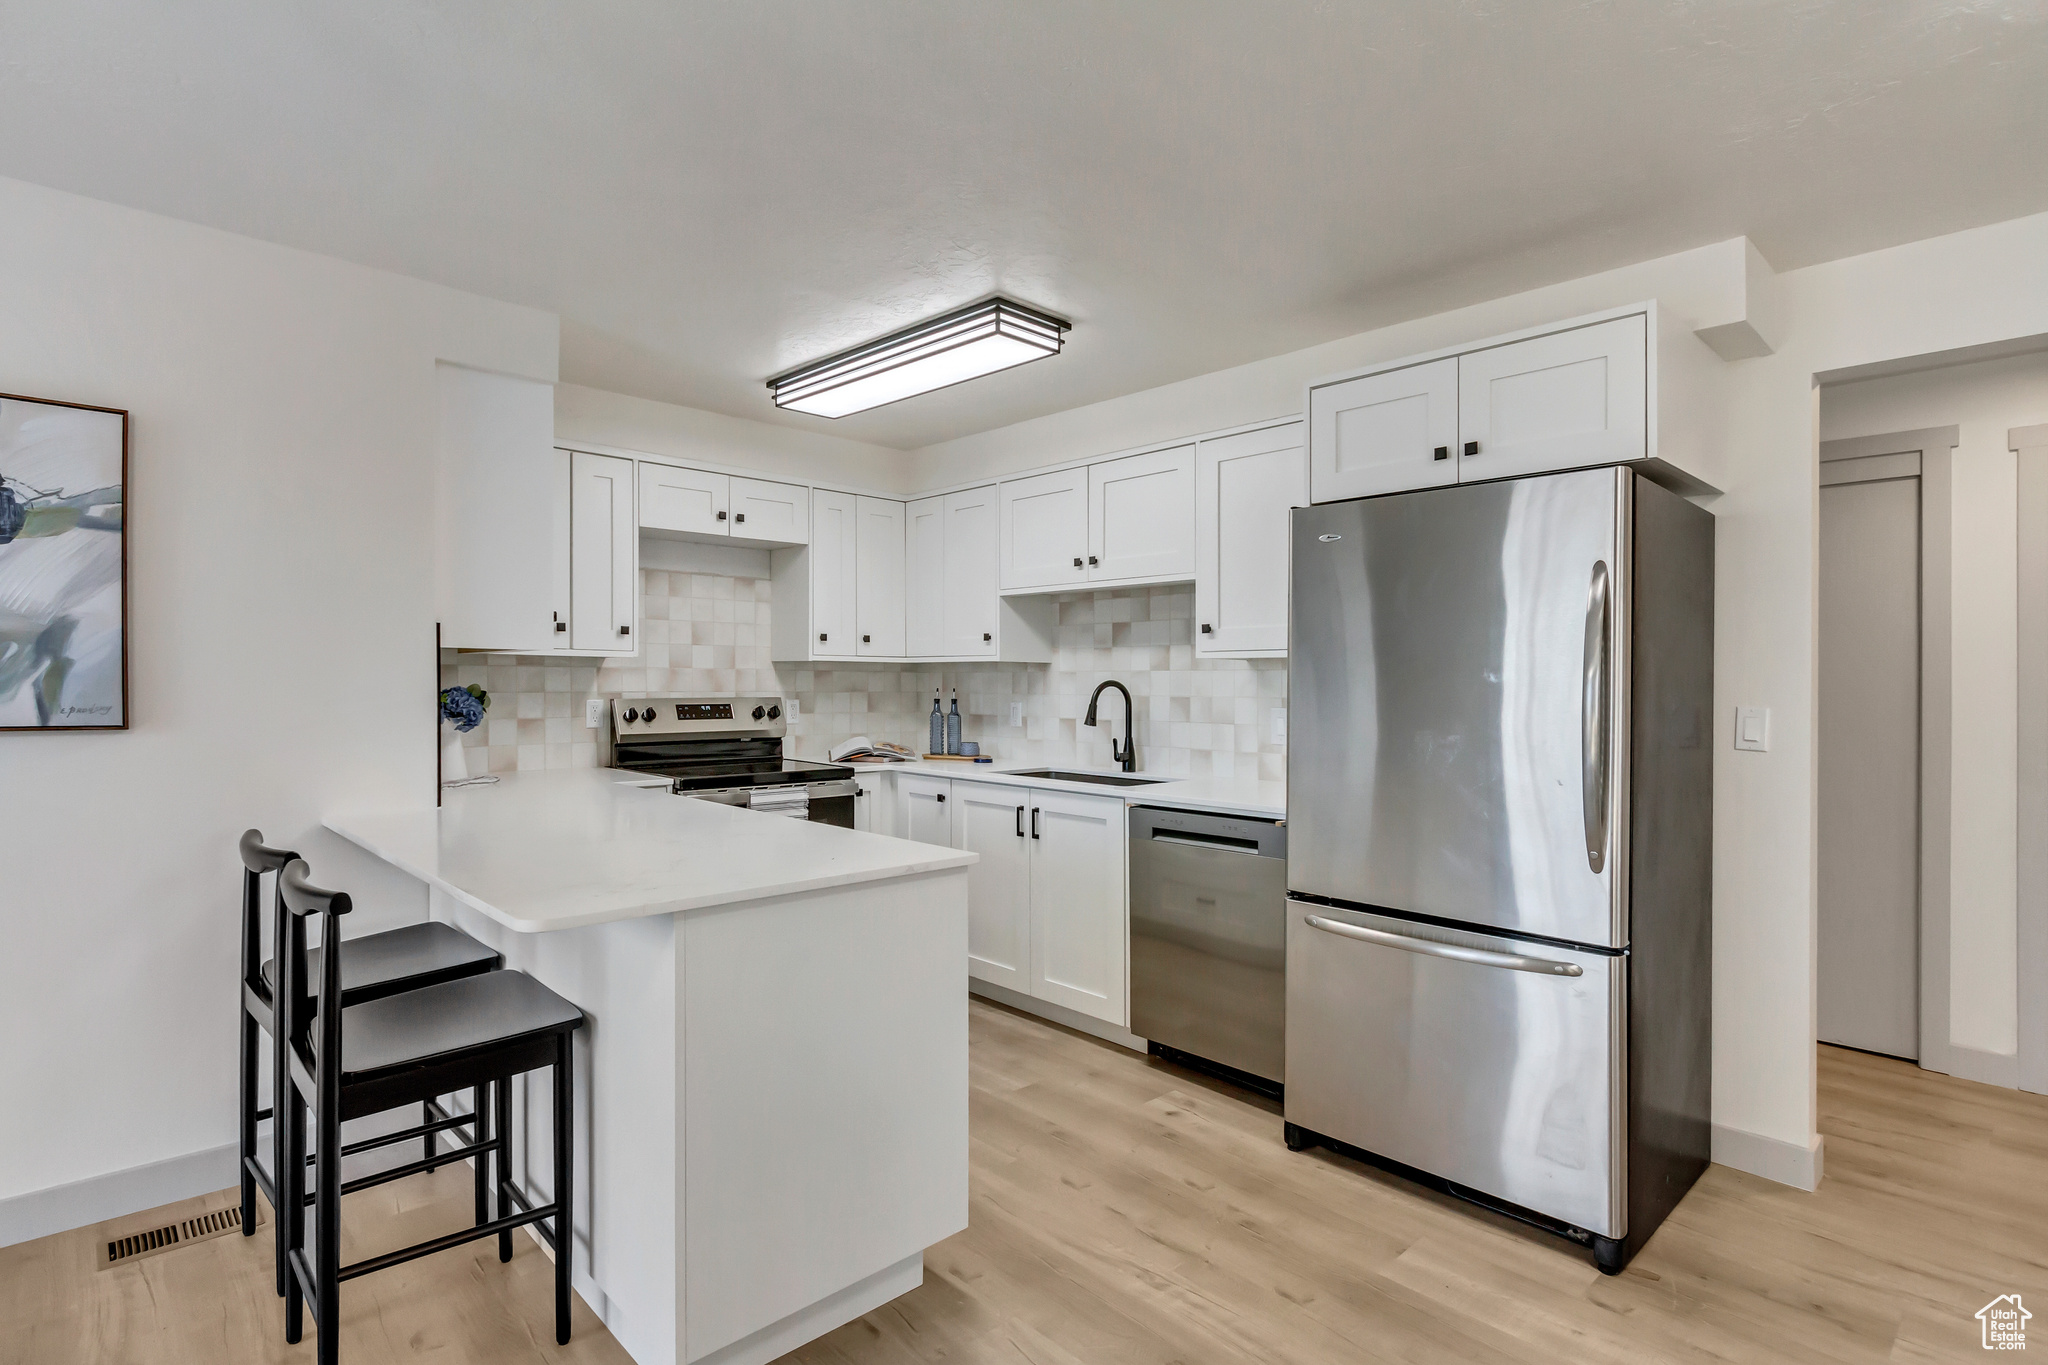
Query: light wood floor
point(1128, 1213)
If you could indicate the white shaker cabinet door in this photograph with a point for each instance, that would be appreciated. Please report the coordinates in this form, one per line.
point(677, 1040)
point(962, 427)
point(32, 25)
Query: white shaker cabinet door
point(603, 552)
point(1383, 433)
point(1245, 486)
point(990, 820)
point(874, 801)
point(1141, 516)
point(763, 510)
point(673, 499)
point(924, 571)
point(973, 572)
point(922, 815)
point(1045, 530)
point(1563, 401)
point(1078, 927)
point(834, 569)
point(878, 590)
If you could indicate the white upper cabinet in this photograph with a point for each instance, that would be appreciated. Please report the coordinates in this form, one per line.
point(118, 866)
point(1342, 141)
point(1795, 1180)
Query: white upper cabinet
point(673, 499)
point(834, 568)
point(971, 575)
point(925, 582)
point(498, 509)
point(1141, 516)
point(1561, 401)
point(1245, 486)
point(990, 819)
point(1383, 433)
point(1045, 530)
point(777, 512)
point(603, 545)
point(878, 578)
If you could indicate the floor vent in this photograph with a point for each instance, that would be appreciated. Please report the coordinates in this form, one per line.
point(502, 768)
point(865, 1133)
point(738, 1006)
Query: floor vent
point(125, 1247)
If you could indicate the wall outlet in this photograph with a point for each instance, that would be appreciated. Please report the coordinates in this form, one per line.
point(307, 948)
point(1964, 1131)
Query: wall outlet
point(1017, 713)
point(1276, 725)
point(593, 713)
point(791, 708)
point(1753, 728)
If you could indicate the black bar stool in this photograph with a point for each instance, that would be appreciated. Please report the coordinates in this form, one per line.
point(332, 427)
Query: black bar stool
point(377, 965)
point(404, 1049)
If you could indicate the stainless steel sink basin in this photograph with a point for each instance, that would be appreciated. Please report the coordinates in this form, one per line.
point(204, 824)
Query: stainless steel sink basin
point(1102, 779)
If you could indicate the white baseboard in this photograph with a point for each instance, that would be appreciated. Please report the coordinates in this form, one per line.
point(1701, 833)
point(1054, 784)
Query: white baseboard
point(1975, 1064)
point(60, 1208)
point(1788, 1163)
point(1058, 1014)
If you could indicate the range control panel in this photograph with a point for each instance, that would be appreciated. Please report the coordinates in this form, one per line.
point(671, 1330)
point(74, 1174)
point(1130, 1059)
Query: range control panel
point(738, 716)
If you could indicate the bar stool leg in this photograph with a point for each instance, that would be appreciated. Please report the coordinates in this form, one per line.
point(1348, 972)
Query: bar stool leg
point(288, 1215)
point(427, 1142)
point(482, 1163)
point(327, 1209)
point(501, 1131)
point(565, 1201)
point(247, 1128)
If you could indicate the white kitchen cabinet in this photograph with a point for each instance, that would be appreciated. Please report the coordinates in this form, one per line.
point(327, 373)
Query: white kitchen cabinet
point(1562, 401)
point(499, 507)
point(767, 511)
point(1141, 516)
point(1385, 432)
point(1045, 530)
point(688, 500)
point(972, 575)
point(878, 577)
point(922, 815)
point(1079, 929)
point(603, 554)
point(925, 583)
point(990, 819)
point(1245, 486)
point(834, 569)
point(874, 802)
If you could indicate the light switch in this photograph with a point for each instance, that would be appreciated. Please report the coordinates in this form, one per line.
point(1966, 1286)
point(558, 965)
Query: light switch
point(593, 713)
point(1277, 725)
point(1753, 728)
point(1017, 713)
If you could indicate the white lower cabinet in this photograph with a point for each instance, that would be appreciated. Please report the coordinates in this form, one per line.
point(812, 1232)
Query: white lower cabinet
point(874, 801)
point(1079, 933)
point(921, 812)
point(992, 821)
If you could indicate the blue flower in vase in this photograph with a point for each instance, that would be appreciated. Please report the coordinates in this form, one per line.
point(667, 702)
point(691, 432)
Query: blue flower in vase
point(465, 706)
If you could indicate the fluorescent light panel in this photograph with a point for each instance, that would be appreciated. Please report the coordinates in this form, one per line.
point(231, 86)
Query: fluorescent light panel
point(973, 341)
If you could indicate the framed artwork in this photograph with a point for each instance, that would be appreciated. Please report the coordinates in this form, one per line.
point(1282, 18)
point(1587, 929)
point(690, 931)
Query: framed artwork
point(63, 566)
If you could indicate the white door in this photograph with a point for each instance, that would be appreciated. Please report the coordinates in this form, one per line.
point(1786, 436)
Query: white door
point(924, 571)
point(921, 812)
point(990, 820)
point(1869, 793)
point(602, 552)
point(878, 587)
point(673, 499)
point(1563, 401)
point(1045, 530)
point(1383, 433)
point(834, 570)
point(780, 512)
point(1141, 516)
point(974, 572)
point(1245, 486)
point(1078, 929)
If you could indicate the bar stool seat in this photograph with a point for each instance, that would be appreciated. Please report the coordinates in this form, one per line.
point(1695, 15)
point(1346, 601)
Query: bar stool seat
point(377, 965)
point(384, 1040)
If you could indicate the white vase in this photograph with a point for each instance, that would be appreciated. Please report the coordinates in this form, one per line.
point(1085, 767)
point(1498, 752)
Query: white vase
point(454, 766)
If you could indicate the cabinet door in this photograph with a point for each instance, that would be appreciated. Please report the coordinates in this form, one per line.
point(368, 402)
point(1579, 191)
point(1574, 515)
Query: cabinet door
point(924, 569)
point(1384, 432)
point(1045, 530)
point(873, 804)
point(990, 820)
point(1245, 485)
point(561, 605)
point(974, 572)
point(1078, 931)
point(780, 512)
point(673, 499)
point(602, 552)
point(1562, 401)
point(1141, 516)
point(834, 568)
point(878, 583)
point(921, 812)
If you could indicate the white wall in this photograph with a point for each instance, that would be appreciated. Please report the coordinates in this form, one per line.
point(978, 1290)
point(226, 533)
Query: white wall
point(1984, 400)
point(282, 662)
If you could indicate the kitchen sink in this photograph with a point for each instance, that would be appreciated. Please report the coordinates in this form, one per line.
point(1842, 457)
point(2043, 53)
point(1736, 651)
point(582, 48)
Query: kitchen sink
point(1103, 779)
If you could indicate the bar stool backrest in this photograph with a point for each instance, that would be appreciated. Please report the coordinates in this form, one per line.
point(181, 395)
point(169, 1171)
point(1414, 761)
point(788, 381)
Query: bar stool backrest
point(303, 900)
point(257, 859)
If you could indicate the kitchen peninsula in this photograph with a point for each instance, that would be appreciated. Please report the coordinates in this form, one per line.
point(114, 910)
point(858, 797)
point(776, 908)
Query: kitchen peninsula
point(775, 1113)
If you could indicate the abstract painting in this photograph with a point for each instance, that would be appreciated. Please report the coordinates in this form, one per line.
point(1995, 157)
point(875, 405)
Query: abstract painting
point(63, 566)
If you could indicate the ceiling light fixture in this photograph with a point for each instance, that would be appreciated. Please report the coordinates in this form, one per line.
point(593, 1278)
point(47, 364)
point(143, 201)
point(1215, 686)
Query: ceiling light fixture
point(964, 344)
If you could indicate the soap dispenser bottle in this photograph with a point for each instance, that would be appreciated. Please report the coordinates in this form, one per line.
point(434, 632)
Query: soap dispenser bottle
point(953, 725)
point(938, 727)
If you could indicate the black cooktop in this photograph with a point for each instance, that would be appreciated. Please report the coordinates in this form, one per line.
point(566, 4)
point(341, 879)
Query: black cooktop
point(707, 776)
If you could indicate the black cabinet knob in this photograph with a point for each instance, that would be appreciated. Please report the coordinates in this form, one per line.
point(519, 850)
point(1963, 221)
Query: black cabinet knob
point(1443, 452)
point(625, 630)
point(721, 516)
point(867, 639)
point(760, 712)
point(739, 516)
point(1092, 560)
point(1471, 447)
point(942, 798)
point(1207, 629)
point(821, 637)
point(1077, 561)
point(774, 712)
point(986, 637)
point(561, 626)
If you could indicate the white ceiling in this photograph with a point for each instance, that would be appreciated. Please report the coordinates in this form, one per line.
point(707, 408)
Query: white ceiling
point(710, 192)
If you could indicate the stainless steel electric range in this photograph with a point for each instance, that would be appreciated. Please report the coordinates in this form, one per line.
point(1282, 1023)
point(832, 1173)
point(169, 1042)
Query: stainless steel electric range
point(728, 749)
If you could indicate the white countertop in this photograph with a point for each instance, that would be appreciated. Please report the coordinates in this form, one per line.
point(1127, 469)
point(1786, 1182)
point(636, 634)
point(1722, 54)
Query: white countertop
point(560, 850)
point(1227, 795)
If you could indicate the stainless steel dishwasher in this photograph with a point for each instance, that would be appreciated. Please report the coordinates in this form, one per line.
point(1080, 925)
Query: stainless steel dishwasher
point(1209, 941)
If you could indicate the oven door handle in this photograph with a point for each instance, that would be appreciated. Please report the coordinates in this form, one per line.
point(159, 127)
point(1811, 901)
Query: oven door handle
point(1427, 947)
point(822, 791)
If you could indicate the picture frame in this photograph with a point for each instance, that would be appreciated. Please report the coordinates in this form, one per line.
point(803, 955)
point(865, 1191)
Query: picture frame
point(63, 565)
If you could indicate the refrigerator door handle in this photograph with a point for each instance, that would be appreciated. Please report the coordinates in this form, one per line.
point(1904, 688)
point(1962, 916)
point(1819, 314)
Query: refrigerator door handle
point(1595, 707)
point(1542, 966)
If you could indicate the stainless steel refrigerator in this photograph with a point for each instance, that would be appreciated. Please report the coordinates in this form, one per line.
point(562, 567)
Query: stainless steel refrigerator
point(1499, 800)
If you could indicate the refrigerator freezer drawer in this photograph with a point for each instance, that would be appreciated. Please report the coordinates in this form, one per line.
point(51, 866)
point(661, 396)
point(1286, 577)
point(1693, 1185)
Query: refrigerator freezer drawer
point(1494, 1063)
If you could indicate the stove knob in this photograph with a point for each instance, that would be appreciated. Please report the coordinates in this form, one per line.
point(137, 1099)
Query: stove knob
point(632, 714)
point(774, 712)
point(758, 713)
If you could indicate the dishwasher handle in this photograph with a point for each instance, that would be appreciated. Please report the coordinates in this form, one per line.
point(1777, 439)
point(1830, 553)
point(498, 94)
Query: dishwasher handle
point(1219, 842)
point(1429, 947)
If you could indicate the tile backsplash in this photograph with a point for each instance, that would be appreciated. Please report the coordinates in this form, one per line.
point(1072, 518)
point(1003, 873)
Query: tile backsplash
point(707, 634)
